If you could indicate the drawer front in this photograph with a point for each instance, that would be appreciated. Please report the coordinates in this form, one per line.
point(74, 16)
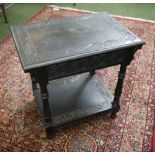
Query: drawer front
point(88, 64)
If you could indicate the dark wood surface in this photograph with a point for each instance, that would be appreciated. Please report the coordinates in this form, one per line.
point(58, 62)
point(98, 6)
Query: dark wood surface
point(56, 41)
point(75, 97)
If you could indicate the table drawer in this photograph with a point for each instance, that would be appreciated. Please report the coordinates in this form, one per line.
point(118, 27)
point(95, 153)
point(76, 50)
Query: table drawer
point(89, 63)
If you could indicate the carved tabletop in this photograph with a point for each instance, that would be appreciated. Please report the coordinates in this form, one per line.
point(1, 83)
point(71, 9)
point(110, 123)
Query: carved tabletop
point(56, 41)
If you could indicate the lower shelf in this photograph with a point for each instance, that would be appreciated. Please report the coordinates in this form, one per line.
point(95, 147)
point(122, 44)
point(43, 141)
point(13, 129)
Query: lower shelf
point(75, 97)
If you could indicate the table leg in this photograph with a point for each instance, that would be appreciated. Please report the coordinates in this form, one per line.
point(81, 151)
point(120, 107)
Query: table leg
point(4, 13)
point(118, 90)
point(43, 81)
point(34, 81)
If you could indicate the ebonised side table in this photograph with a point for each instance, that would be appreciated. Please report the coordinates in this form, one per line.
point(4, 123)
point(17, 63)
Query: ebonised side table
point(62, 56)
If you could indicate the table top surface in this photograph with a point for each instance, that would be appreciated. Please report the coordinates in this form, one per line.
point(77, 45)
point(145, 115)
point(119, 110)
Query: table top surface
point(56, 41)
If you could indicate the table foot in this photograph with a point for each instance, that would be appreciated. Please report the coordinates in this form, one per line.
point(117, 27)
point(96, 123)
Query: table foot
point(116, 108)
point(50, 132)
point(113, 115)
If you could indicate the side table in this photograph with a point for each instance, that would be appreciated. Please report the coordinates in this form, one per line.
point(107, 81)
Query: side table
point(62, 56)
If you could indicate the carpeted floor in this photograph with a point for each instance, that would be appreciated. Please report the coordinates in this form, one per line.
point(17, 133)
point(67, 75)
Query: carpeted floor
point(21, 128)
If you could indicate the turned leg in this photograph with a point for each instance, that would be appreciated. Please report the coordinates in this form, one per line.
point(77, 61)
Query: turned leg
point(43, 81)
point(34, 79)
point(118, 90)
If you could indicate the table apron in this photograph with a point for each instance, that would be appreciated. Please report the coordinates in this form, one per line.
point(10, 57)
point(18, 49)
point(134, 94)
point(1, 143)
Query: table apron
point(90, 63)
